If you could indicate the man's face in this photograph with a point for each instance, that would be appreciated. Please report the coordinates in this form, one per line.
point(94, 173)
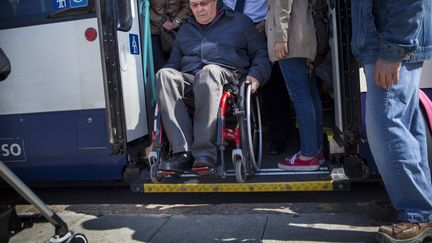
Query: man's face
point(203, 10)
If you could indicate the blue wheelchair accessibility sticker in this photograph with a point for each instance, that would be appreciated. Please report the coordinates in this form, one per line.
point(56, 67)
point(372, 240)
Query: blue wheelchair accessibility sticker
point(134, 44)
point(78, 3)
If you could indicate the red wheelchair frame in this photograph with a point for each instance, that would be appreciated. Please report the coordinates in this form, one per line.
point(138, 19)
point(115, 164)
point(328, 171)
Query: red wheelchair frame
point(238, 124)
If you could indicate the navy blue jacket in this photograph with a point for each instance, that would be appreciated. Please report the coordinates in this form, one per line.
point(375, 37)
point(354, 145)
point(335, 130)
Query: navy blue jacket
point(395, 30)
point(230, 41)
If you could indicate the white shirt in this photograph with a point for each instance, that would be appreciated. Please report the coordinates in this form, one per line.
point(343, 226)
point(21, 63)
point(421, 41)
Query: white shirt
point(254, 9)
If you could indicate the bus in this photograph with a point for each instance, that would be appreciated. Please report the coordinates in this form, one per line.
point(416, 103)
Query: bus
point(65, 112)
point(79, 105)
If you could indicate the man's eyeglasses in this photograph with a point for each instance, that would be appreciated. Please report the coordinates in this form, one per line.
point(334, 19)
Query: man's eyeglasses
point(202, 4)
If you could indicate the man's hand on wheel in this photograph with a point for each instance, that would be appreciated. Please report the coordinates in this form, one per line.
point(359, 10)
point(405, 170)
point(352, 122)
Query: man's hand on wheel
point(254, 83)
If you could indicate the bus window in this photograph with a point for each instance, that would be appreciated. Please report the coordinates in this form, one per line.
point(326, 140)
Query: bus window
point(20, 13)
point(11, 8)
point(123, 15)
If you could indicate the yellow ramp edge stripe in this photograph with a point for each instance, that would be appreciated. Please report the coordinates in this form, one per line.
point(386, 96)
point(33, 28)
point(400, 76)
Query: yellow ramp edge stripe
point(237, 187)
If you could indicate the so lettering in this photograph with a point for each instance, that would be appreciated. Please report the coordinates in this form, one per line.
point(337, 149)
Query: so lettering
point(13, 149)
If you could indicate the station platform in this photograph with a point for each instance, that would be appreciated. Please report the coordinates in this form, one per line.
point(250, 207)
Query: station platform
point(292, 222)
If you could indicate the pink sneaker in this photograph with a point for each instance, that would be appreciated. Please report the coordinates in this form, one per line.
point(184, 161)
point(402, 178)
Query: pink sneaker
point(296, 164)
point(320, 157)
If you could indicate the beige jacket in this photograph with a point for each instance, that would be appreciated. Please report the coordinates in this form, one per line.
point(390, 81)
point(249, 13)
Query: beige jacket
point(175, 9)
point(291, 20)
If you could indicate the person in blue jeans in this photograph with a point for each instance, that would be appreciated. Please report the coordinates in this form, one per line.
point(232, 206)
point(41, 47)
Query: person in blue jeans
point(274, 96)
point(291, 40)
point(391, 39)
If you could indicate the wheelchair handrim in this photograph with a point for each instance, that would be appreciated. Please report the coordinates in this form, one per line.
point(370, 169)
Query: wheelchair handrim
point(251, 150)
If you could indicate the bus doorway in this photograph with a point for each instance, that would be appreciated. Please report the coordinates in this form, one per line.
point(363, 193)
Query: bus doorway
point(348, 157)
point(331, 176)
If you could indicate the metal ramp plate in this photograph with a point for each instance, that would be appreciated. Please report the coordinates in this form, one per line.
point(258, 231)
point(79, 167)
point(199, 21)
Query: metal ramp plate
point(265, 180)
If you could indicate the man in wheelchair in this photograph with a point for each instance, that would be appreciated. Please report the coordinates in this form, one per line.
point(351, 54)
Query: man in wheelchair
point(213, 48)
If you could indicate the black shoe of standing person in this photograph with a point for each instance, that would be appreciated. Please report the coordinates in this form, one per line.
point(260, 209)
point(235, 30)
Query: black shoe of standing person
point(179, 162)
point(277, 148)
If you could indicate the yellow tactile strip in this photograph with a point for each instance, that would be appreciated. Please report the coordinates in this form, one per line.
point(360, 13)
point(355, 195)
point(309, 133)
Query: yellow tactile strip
point(236, 187)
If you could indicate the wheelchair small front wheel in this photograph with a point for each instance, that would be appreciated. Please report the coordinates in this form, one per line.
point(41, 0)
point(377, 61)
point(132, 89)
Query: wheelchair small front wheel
point(240, 171)
point(154, 176)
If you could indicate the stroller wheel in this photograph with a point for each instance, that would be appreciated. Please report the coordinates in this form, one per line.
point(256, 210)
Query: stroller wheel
point(77, 238)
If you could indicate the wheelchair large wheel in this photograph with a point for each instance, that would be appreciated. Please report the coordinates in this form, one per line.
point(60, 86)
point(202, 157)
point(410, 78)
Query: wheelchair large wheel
point(250, 129)
point(254, 129)
point(160, 148)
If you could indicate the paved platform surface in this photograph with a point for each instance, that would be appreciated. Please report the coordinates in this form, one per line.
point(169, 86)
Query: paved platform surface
point(289, 222)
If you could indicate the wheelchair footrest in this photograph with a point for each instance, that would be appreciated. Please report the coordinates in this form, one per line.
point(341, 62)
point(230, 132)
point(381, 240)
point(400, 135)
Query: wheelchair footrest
point(204, 171)
point(167, 172)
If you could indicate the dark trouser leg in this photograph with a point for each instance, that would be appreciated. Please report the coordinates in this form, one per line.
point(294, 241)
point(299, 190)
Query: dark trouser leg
point(159, 57)
point(277, 103)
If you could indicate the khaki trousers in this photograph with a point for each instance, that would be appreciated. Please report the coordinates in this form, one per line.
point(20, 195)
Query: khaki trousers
point(176, 92)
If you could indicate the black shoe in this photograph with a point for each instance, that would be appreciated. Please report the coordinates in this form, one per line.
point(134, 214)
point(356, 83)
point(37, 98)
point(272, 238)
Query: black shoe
point(277, 148)
point(179, 162)
point(204, 162)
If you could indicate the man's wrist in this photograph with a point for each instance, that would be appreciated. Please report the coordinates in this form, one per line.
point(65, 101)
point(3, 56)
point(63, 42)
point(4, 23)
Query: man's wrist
point(395, 53)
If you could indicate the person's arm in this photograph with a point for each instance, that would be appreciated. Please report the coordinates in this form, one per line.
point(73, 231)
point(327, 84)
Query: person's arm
point(155, 19)
point(398, 40)
point(184, 12)
point(282, 15)
point(260, 68)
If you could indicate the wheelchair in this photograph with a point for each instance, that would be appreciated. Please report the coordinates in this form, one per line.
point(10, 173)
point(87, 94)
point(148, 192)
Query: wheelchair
point(238, 127)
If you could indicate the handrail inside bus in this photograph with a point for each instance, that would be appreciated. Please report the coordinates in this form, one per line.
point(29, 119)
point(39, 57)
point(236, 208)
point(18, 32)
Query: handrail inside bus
point(147, 57)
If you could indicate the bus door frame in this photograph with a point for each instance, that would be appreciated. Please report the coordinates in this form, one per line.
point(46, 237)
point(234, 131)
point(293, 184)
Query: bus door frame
point(348, 120)
point(111, 71)
point(109, 22)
